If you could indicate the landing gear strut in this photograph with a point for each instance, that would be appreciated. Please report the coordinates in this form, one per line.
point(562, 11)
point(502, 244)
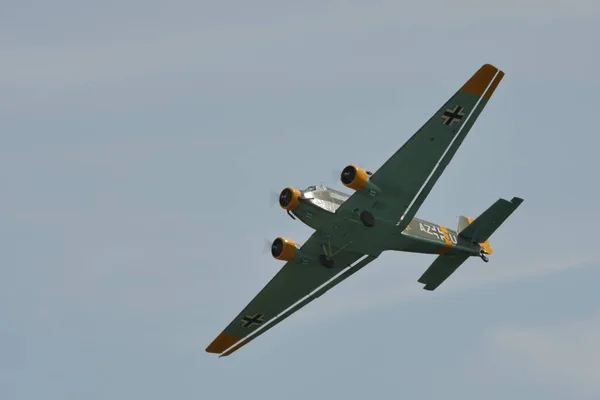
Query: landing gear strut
point(326, 259)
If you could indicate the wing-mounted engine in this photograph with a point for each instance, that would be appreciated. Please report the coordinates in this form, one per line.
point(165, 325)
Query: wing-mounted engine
point(283, 249)
point(357, 178)
point(289, 198)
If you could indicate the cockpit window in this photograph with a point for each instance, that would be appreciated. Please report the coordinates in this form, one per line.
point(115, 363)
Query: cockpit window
point(310, 189)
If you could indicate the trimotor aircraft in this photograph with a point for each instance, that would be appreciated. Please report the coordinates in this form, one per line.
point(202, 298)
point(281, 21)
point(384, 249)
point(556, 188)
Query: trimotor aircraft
point(353, 230)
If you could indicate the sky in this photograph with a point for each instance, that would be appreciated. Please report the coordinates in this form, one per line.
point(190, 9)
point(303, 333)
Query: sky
point(142, 142)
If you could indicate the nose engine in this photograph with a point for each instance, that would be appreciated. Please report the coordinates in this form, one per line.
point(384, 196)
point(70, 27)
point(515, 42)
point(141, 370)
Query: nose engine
point(289, 198)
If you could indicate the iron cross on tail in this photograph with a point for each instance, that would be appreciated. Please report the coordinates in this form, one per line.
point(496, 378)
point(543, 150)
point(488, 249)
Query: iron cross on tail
point(352, 230)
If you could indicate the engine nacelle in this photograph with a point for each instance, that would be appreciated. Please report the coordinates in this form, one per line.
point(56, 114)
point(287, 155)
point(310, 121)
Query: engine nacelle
point(357, 178)
point(283, 249)
point(354, 177)
point(289, 198)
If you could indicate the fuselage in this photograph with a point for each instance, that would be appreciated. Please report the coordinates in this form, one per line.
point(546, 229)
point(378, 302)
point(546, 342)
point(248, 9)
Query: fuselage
point(318, 210)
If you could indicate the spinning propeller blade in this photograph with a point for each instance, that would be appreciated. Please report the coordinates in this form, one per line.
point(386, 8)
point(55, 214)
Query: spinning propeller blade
point(273, 199)
point(267, 246)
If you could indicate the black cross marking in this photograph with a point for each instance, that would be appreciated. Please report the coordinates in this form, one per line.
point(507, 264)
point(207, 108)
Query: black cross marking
point(250, 320)
point(451, 116)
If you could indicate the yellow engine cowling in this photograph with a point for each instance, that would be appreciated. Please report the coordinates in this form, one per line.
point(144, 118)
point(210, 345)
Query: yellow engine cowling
point(283, 249)
point(354, 177)
point(289, 198)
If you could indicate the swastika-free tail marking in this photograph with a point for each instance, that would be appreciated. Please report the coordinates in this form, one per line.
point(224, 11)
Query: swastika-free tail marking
point(452, 115)
point(250, 320)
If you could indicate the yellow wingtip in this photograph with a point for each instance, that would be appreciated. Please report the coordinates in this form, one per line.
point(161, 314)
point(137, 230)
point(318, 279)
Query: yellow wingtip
point(494, 85)
point(480, 80)
point(223, 342)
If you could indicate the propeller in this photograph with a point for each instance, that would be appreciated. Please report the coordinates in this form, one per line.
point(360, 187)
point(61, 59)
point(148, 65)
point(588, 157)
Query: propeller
point(273, 199)
point(285, 197)
point(273, 246)
point(335, 176)
point(267, 246)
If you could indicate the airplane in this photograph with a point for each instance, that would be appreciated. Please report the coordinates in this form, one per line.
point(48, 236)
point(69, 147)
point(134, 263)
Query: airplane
point(351, 231)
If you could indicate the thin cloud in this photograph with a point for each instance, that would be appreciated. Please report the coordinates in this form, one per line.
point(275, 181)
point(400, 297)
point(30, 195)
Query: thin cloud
point(394, 294)
point(75, 62)
point(563, 353)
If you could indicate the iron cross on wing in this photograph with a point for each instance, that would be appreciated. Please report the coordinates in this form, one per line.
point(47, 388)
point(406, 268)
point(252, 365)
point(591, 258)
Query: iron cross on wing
point(452, 115)
point(249, 320)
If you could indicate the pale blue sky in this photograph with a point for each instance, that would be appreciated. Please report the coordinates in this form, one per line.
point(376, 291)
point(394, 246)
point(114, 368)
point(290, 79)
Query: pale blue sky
point(141, 142)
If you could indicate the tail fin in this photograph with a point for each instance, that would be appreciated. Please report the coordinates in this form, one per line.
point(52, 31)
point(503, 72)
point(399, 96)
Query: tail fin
point(464, 222)
point(480, 229)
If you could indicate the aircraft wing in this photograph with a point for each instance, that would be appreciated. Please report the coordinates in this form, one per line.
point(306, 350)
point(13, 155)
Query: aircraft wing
point(289, 286)
point(408, 175)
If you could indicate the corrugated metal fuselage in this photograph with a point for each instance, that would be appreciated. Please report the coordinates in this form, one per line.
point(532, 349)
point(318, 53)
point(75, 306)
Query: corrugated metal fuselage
point(318, 210)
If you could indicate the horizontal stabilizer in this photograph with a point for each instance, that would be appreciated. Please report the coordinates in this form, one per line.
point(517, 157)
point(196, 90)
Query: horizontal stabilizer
point(440, 270)
point(480, 229)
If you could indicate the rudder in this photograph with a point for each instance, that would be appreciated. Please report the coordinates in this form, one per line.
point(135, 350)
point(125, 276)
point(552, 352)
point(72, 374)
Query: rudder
point(463, 222)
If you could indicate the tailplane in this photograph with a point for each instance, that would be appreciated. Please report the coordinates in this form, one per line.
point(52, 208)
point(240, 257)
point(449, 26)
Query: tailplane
point(480, 229)
point(476, 230)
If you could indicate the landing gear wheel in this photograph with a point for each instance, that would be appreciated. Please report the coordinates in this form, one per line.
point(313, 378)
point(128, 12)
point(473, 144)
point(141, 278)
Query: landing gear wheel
point(367, 219)
point(484, 258)
point(326, 261)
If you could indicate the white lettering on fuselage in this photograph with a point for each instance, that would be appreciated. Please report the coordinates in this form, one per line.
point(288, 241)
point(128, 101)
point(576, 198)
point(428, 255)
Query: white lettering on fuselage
point(436, 231)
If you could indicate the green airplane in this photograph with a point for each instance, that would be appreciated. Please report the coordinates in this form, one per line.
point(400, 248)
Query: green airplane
point(353, 230)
